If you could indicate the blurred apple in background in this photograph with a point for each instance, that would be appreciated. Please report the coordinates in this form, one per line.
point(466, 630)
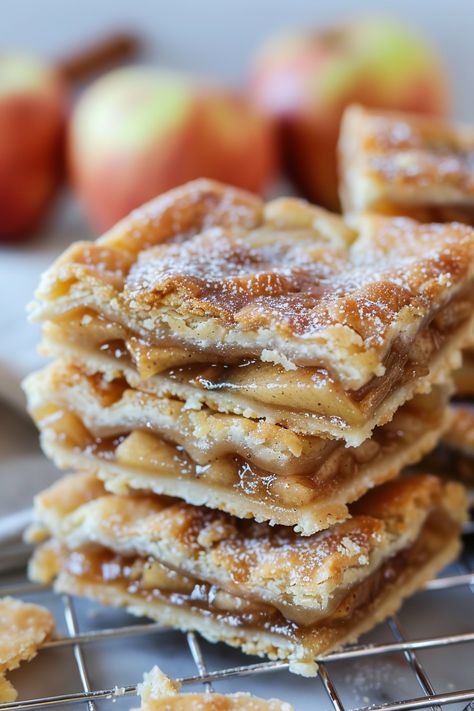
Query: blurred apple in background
point(306, 80)
point(33, 103)
point(139, 131)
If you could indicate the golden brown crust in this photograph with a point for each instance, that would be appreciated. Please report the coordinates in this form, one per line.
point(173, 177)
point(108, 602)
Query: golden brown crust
point(7, 690)
point(396, 163)
point(23, 629)
point(160, 693)
point(260, 287)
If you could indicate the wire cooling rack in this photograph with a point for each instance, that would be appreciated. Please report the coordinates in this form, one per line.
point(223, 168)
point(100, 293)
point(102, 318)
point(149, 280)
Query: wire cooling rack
point(342, 682)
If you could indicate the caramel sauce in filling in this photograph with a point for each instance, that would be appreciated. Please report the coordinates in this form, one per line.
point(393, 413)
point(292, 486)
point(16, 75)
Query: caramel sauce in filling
point(147, 452)
point(103, 566)
point(305, 390)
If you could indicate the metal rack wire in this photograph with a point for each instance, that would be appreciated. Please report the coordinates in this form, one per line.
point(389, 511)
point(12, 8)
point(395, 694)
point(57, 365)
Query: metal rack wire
point(401, 644)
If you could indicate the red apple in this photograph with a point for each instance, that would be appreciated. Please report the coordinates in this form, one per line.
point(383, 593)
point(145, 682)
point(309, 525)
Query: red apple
point(33, 102)
point(138, 131)
point(306, 80)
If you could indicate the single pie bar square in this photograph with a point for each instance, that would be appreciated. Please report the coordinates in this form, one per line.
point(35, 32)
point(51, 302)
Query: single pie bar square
point(262, 588)
point(277, 312)
point(403, 164)
point(249, 468)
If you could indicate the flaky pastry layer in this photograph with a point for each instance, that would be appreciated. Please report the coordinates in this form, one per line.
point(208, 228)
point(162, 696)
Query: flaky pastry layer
point(214, 271)
point(111, 407)
point(23, 629)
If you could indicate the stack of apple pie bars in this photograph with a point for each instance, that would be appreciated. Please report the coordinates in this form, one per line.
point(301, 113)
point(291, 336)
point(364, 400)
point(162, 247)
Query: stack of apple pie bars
point(236, 387)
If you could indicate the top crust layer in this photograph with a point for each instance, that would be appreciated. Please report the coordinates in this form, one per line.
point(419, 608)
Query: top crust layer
point(212, 268)
point(389, 160)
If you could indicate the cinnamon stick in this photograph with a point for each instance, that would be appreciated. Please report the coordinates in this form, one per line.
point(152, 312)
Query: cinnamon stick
point(99, 56)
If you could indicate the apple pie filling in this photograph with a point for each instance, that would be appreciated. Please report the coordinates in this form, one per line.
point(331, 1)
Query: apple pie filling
point(110, 407)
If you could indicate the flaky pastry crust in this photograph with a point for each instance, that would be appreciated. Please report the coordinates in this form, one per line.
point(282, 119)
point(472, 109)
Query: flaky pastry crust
point(298, 401)
point(111, 407)
point(23, 629)
point(160, 693)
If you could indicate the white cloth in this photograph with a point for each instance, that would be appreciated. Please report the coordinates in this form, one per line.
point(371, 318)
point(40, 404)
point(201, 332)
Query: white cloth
point(20, 267)
point(24, 470)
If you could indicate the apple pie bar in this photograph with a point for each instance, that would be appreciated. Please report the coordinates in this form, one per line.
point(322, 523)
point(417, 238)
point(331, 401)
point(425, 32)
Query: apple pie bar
point(264, 589)
point(407, 165)
point(278, 312)
point(248, 468)
point(160, 693)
